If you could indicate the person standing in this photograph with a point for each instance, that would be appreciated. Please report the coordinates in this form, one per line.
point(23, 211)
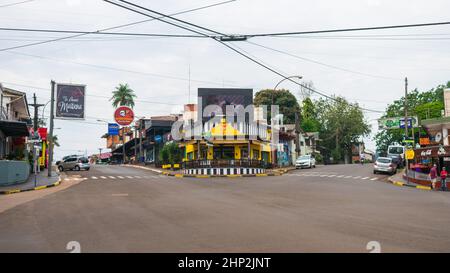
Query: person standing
point(443, 179)
point(433, 176)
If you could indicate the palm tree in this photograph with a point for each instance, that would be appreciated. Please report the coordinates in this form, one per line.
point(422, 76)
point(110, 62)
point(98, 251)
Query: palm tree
point(123, 96)
point(55, 141)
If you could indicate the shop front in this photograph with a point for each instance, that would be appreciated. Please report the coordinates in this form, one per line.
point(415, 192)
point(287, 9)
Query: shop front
point(424, 159)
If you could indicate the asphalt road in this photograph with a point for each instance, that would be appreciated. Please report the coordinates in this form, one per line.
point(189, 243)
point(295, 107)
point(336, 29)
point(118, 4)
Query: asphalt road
point(326, 209)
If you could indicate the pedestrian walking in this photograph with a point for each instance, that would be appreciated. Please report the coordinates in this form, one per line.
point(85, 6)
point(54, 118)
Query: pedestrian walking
point(443, 179)
point(433, 176)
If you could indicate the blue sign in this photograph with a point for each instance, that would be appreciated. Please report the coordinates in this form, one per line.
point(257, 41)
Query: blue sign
point(158, 138)
point(113, 129)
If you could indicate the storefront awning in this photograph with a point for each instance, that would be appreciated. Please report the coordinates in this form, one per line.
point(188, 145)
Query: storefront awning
point(14, 128)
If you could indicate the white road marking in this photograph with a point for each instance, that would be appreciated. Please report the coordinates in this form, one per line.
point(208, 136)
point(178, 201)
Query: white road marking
point(112, 177)
point(375, 178)
point(333, 175)
point(356, 177)
point(364, 178)
point(348, 176)
point(137, 176)
point(129, 177)
point(339, 176)
point(94, 177)
point(103, 177)
point(121, 177)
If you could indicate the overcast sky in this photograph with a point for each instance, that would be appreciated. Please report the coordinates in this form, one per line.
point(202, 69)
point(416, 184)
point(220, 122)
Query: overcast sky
point(158, 68)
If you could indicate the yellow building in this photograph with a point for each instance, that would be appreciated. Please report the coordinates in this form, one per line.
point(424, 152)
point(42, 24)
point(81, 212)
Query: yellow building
point(224, 150)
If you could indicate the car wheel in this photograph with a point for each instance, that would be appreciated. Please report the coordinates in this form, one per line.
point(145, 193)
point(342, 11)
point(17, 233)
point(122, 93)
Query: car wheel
point(77, 168)
point(60, 168)
point(375, 172)
point(87, 169)
point(314, 165)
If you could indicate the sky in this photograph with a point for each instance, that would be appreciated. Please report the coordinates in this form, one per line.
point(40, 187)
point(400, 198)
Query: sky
point(364, 67)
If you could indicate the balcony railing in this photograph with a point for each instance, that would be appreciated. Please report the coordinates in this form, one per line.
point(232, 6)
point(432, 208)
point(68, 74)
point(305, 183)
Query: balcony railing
point(226, 163)
point(3, 114)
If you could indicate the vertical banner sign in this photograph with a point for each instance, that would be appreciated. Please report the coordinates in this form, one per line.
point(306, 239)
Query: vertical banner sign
point(70, 101)
point(113, 129)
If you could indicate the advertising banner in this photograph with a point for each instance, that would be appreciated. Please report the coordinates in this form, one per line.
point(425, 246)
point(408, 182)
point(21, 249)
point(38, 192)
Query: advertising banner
point(70, 101)
point(397, 123)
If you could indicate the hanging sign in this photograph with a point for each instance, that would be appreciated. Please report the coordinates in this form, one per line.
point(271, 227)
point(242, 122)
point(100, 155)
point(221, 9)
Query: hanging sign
point(124, 115)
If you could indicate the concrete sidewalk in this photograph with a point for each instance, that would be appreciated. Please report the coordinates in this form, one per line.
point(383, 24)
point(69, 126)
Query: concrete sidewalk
point(398, 180)
point(42, 181)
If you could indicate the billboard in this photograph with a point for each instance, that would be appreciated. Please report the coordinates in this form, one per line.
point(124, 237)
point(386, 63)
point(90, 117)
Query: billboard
point(397, 123)
point(70, 101)
point(223, 97)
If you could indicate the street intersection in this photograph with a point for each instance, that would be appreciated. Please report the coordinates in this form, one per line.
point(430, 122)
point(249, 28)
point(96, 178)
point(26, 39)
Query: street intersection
point(336, 208)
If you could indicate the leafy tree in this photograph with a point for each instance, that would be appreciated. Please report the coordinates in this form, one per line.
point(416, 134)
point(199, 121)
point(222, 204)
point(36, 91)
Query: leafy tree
point(341, 125)
point(123, 96)
point(309, 122)
point(286, 101)
point(424, 105)
point(170, 153)
point(55, 141)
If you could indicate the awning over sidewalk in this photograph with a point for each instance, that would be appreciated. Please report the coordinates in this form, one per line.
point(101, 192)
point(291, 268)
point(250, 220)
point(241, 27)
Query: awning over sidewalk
point(14, 128)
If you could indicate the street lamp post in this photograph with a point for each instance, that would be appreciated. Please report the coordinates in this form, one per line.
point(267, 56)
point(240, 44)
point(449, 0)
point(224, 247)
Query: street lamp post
point(296, 121)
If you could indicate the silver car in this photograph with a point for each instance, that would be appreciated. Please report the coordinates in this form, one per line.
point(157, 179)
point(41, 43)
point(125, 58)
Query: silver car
point(74, 163)
point(385, 165)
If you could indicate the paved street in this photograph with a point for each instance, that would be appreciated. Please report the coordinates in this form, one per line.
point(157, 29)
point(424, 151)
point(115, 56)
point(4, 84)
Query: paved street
point(330, 208)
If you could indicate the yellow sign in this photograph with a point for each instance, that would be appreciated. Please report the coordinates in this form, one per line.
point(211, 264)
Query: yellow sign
point(409, 154)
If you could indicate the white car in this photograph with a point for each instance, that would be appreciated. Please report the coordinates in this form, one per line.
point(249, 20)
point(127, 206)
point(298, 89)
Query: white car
point(305, 161)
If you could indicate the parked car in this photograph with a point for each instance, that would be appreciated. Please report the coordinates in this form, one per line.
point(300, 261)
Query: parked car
point(74, 163)
point(385, 165)
point(305, 161)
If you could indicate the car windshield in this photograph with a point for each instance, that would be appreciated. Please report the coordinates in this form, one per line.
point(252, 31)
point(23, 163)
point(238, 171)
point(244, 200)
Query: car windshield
point(395, 150)
point(384, 160)
point(84, 160)
point(305, 157)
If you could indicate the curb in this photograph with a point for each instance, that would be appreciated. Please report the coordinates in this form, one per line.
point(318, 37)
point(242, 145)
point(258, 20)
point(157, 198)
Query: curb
point(403, 184)
point(32, 189)
point(275, 173)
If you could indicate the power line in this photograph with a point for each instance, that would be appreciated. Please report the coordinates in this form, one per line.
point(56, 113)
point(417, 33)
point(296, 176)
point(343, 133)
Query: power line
point(346, 29)
point(110, 28)
point(323, 64)
point(102, 33)
point(16, 3)
point(228, 46)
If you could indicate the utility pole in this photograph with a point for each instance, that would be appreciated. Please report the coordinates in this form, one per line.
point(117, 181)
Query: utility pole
point(100, 154)
point(406, 128)
point(50, 143)
point(297, 135)
point(36, 111)
point(140, 140)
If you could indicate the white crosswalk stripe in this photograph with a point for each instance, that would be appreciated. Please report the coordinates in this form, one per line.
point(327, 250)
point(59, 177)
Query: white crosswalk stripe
point(112, 177)
point(103, 177)
point(94, 177)
point(120, 177)
point(364, 178)
point(137, 176)
point(375, 178)
point(129, 177)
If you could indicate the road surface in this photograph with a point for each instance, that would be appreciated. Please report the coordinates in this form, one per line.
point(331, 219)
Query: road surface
point(337, 208)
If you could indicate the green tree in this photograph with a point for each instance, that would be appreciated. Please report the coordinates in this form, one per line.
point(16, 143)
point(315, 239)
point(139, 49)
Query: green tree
point(424, 105)
point(286, 101)
point(170, 153)
point(123, 95)
point(341, 125)
point(309, 122)
point(55, 140)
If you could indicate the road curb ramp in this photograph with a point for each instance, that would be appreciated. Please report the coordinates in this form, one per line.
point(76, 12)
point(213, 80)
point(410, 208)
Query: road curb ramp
point(33, 188)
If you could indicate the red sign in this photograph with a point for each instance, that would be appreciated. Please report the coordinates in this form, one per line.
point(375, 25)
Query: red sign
point(42, 133)
point(124, 115)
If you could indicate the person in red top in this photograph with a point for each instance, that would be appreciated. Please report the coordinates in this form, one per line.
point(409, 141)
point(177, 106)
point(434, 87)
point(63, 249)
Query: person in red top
point(443, 179)
point(433, 176)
